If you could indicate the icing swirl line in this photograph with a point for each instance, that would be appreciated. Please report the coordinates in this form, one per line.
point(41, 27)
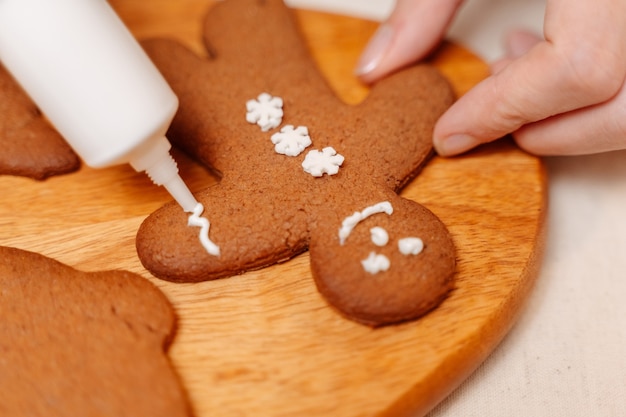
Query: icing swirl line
point(203, 223)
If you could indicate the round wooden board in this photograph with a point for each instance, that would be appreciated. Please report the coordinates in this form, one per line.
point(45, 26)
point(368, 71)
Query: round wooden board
point(265, 343)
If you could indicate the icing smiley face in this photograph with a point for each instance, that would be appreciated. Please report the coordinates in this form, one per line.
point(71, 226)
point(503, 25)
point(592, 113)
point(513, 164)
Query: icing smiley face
point(377, 277)
point(376, 262)
point(266, 208)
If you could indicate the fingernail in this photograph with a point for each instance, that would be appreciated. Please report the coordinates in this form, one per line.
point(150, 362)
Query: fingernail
point(454, 145)
point(518, 43)
point(375, 50)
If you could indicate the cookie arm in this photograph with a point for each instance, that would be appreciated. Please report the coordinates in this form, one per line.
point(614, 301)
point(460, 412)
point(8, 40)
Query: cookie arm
point(193, 81)
point(417, 97)
point(30, 146)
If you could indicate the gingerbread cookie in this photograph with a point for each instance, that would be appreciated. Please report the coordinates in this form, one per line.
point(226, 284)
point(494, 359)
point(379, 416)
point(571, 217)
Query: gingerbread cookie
point(83, 344)
point(30, 146)
point(301, 170)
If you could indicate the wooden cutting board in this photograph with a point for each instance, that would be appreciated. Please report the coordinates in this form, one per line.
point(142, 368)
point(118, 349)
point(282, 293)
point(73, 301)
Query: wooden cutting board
point(265, 343)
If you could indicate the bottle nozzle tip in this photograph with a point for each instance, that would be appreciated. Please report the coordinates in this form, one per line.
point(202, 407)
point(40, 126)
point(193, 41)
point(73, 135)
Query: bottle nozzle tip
point(156, 160)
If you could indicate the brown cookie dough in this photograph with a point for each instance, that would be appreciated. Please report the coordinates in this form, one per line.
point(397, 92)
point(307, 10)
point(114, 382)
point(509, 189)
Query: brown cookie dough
point(83, 344)
point(266, 208)
point(30, 146)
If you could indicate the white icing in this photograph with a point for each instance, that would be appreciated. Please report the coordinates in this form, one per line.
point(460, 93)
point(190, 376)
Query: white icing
point(380, 237)
point(351, 221)
point(375, 263)
point(266, 111)
point(290, 141)
point(411, 246)
point(319, 163)
point(203, 223)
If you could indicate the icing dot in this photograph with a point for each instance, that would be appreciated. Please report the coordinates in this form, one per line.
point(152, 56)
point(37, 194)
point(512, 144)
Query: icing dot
point(380, 237)
point(375, 263)
point(203, 223)
point(411, 246)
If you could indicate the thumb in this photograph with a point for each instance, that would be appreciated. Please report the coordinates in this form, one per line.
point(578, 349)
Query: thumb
point(413, 30)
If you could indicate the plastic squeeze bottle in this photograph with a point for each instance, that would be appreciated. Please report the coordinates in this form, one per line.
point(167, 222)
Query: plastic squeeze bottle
point(89, 76)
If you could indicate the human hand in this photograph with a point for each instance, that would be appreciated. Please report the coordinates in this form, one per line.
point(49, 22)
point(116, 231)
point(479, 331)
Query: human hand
point(560, 95)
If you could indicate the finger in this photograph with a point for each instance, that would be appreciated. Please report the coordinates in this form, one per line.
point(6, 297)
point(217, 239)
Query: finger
point(501, 103)
point(566, 72)
point(536, 86)
point(594, 129)
point(414, 28)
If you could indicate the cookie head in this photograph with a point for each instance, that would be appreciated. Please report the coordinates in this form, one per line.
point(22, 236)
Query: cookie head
point(390, 262)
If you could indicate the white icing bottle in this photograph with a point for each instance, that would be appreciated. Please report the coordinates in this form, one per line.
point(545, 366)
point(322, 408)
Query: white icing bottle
point(92, 80)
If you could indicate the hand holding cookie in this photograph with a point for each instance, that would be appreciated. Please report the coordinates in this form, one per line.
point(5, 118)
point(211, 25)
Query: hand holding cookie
point(561, 95)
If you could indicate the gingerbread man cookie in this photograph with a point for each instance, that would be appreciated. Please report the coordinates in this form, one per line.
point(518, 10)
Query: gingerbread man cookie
point(301, 170)
point(83, 344)
point(30, 146)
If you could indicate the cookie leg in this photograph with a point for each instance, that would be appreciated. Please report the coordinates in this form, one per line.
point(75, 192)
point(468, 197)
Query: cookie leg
point(384, 266)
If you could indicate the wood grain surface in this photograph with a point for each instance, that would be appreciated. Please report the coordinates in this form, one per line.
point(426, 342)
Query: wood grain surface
point(265, 343)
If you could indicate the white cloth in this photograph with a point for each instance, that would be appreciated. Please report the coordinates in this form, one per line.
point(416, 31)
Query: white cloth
point(566, 355)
